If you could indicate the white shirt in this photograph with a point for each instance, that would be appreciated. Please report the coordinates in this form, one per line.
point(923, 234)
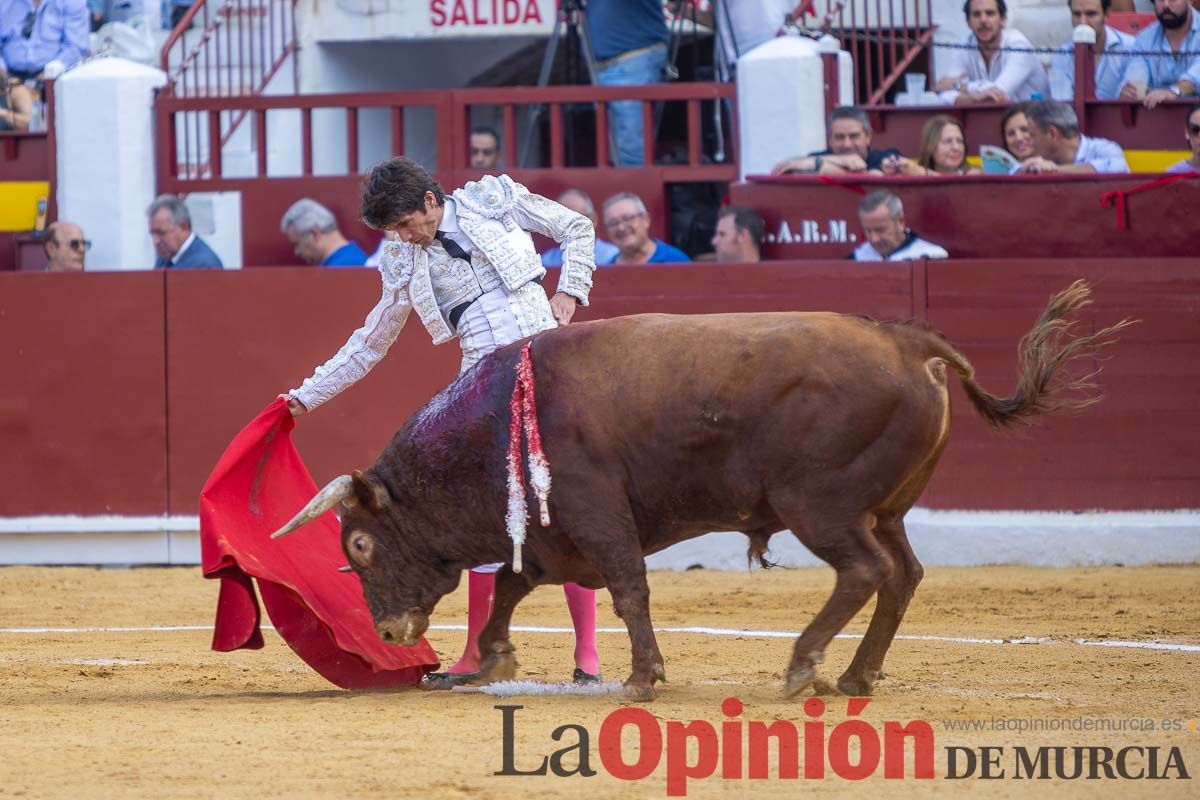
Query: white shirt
point(450, 227)
point(1018, 74)
point(1102, 155)
point(183, 247)
point(743, 25)
point(912, 248)
point(1110, 67)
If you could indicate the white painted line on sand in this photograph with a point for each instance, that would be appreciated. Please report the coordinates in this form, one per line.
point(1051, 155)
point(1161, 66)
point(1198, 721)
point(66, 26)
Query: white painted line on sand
point(746, 633)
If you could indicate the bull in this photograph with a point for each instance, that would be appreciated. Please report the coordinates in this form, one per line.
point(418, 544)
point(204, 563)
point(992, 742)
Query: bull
point(662, 428)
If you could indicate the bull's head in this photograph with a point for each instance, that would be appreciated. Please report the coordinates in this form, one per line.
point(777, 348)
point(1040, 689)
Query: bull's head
point(400, 584)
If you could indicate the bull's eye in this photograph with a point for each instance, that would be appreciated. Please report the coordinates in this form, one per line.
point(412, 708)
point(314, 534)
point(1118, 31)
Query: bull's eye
point(361, 545)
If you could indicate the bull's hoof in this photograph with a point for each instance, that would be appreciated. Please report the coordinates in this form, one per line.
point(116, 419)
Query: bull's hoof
point(639, 692)
point(498, 667)
point(856, 685)
point(447, 680)
point(798, 680)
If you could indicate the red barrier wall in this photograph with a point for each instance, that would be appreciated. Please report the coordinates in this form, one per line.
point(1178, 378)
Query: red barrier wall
point(121, 390)
point(1060, 217)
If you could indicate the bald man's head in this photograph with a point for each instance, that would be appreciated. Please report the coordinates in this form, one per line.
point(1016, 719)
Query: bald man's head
point(65, 247)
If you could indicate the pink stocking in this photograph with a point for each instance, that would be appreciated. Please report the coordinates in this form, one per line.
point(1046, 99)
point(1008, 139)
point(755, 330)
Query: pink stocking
point(481, 587)
point(582, 604)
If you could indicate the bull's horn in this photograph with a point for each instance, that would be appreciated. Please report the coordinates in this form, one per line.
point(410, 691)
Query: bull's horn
point(339, 489)
point(346, 568)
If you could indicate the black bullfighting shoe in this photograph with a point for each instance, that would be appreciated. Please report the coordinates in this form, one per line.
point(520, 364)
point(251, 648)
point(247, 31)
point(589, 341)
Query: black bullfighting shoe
point(447, 680)
point(579, 677)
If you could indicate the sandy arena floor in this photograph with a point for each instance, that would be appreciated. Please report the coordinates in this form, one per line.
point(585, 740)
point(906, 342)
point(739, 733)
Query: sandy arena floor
point(154, 713)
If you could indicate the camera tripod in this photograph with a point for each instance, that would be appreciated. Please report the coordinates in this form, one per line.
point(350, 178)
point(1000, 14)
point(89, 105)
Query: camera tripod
point(571, 24)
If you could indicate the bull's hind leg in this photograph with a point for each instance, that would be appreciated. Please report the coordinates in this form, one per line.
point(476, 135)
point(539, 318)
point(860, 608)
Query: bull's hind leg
point(862, 566)
point(631, 601)
point(894, 595)
point(499, 662)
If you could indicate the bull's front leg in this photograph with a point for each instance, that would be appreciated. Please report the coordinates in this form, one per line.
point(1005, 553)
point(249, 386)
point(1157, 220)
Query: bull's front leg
point(631, 601)
point(498, 659)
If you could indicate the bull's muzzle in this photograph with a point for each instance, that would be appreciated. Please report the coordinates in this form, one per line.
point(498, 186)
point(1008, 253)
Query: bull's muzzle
point(405, 630)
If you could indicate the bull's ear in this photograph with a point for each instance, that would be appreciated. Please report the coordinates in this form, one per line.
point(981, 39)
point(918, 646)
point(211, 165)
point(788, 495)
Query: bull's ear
point(371, 494)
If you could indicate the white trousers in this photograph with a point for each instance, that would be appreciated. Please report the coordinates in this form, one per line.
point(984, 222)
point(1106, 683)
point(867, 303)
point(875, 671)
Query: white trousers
point(497, 318)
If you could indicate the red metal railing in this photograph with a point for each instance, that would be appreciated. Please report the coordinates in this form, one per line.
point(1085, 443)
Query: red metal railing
point(884, 36)
point(188, 124)
point(229, 48)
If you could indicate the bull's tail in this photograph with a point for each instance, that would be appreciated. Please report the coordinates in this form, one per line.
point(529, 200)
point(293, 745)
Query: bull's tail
point(1042, 385)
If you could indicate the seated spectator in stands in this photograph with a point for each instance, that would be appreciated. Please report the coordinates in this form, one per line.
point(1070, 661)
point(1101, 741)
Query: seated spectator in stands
point(177, 245)
point(1107, 52)
point(888, 237)
point(628, 225)
point(739, 235)
point(1193, 139)
point(313, 232)
point(943, 151)
point(1164, 77)
point(41, 38)
point(1014, 131)
point(578, 201)
point(16, 106)
point(986, 70)
point(849, 148)
point(1062, 148)
point(65, 247)
point(106, 11)
point(485, 148)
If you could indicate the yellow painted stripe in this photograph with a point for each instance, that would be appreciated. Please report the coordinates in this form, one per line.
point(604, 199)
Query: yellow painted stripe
point(1154, 160)
point(18, 203)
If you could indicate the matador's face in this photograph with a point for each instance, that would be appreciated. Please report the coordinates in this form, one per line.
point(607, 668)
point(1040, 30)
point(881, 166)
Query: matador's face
point(420, 227)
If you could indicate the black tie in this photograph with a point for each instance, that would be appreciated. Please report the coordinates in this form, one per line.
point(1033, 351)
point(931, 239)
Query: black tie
point(452, 247)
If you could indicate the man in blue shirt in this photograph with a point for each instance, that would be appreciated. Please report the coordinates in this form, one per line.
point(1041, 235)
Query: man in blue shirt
point(578, 201)
point(628, 225)
point(629, 43)
point(1060, 146)
point(1177, 72)
point(313, 232)
point(1107, 53)
point(37, 36)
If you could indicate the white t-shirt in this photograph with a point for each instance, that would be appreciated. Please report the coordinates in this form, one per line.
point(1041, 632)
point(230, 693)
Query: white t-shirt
point(1018, 74)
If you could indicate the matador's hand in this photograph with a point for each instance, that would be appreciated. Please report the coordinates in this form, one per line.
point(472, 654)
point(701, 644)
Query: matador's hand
point(563, 307)
point(294, 406)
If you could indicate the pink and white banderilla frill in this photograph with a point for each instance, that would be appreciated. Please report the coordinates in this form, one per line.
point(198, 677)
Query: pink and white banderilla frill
point(523, 417)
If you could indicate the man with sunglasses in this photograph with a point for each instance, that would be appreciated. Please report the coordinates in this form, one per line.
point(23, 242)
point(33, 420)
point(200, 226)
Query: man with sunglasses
point(41, 38)
point(65, 247)
point(1192, 131)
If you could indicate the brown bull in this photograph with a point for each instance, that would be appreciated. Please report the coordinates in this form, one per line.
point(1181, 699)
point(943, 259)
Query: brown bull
point(663, 428)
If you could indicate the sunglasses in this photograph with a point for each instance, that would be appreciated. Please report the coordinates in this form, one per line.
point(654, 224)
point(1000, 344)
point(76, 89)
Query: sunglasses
point(79, 245)
point(628, 219)
point(1193, 130)
point(30, 21)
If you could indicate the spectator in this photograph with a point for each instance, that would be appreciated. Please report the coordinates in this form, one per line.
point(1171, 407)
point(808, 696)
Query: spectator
point(65, 247)
point(739, 235)
point(740, 25)
point(849, 148)
point(16, 106)
point(991, 68)
point(629, 43)
point(41, 38)
point(485, 148)
point(1193, 139)
point(179, 9)
point(177, 245)
point(628, 224)
point(943, 151)
point(1062, 148)
point(1107, 52)
point(315, 238)
point(1014, 131)
point(888, 238)
point(578, 201)
point(1163, 77)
